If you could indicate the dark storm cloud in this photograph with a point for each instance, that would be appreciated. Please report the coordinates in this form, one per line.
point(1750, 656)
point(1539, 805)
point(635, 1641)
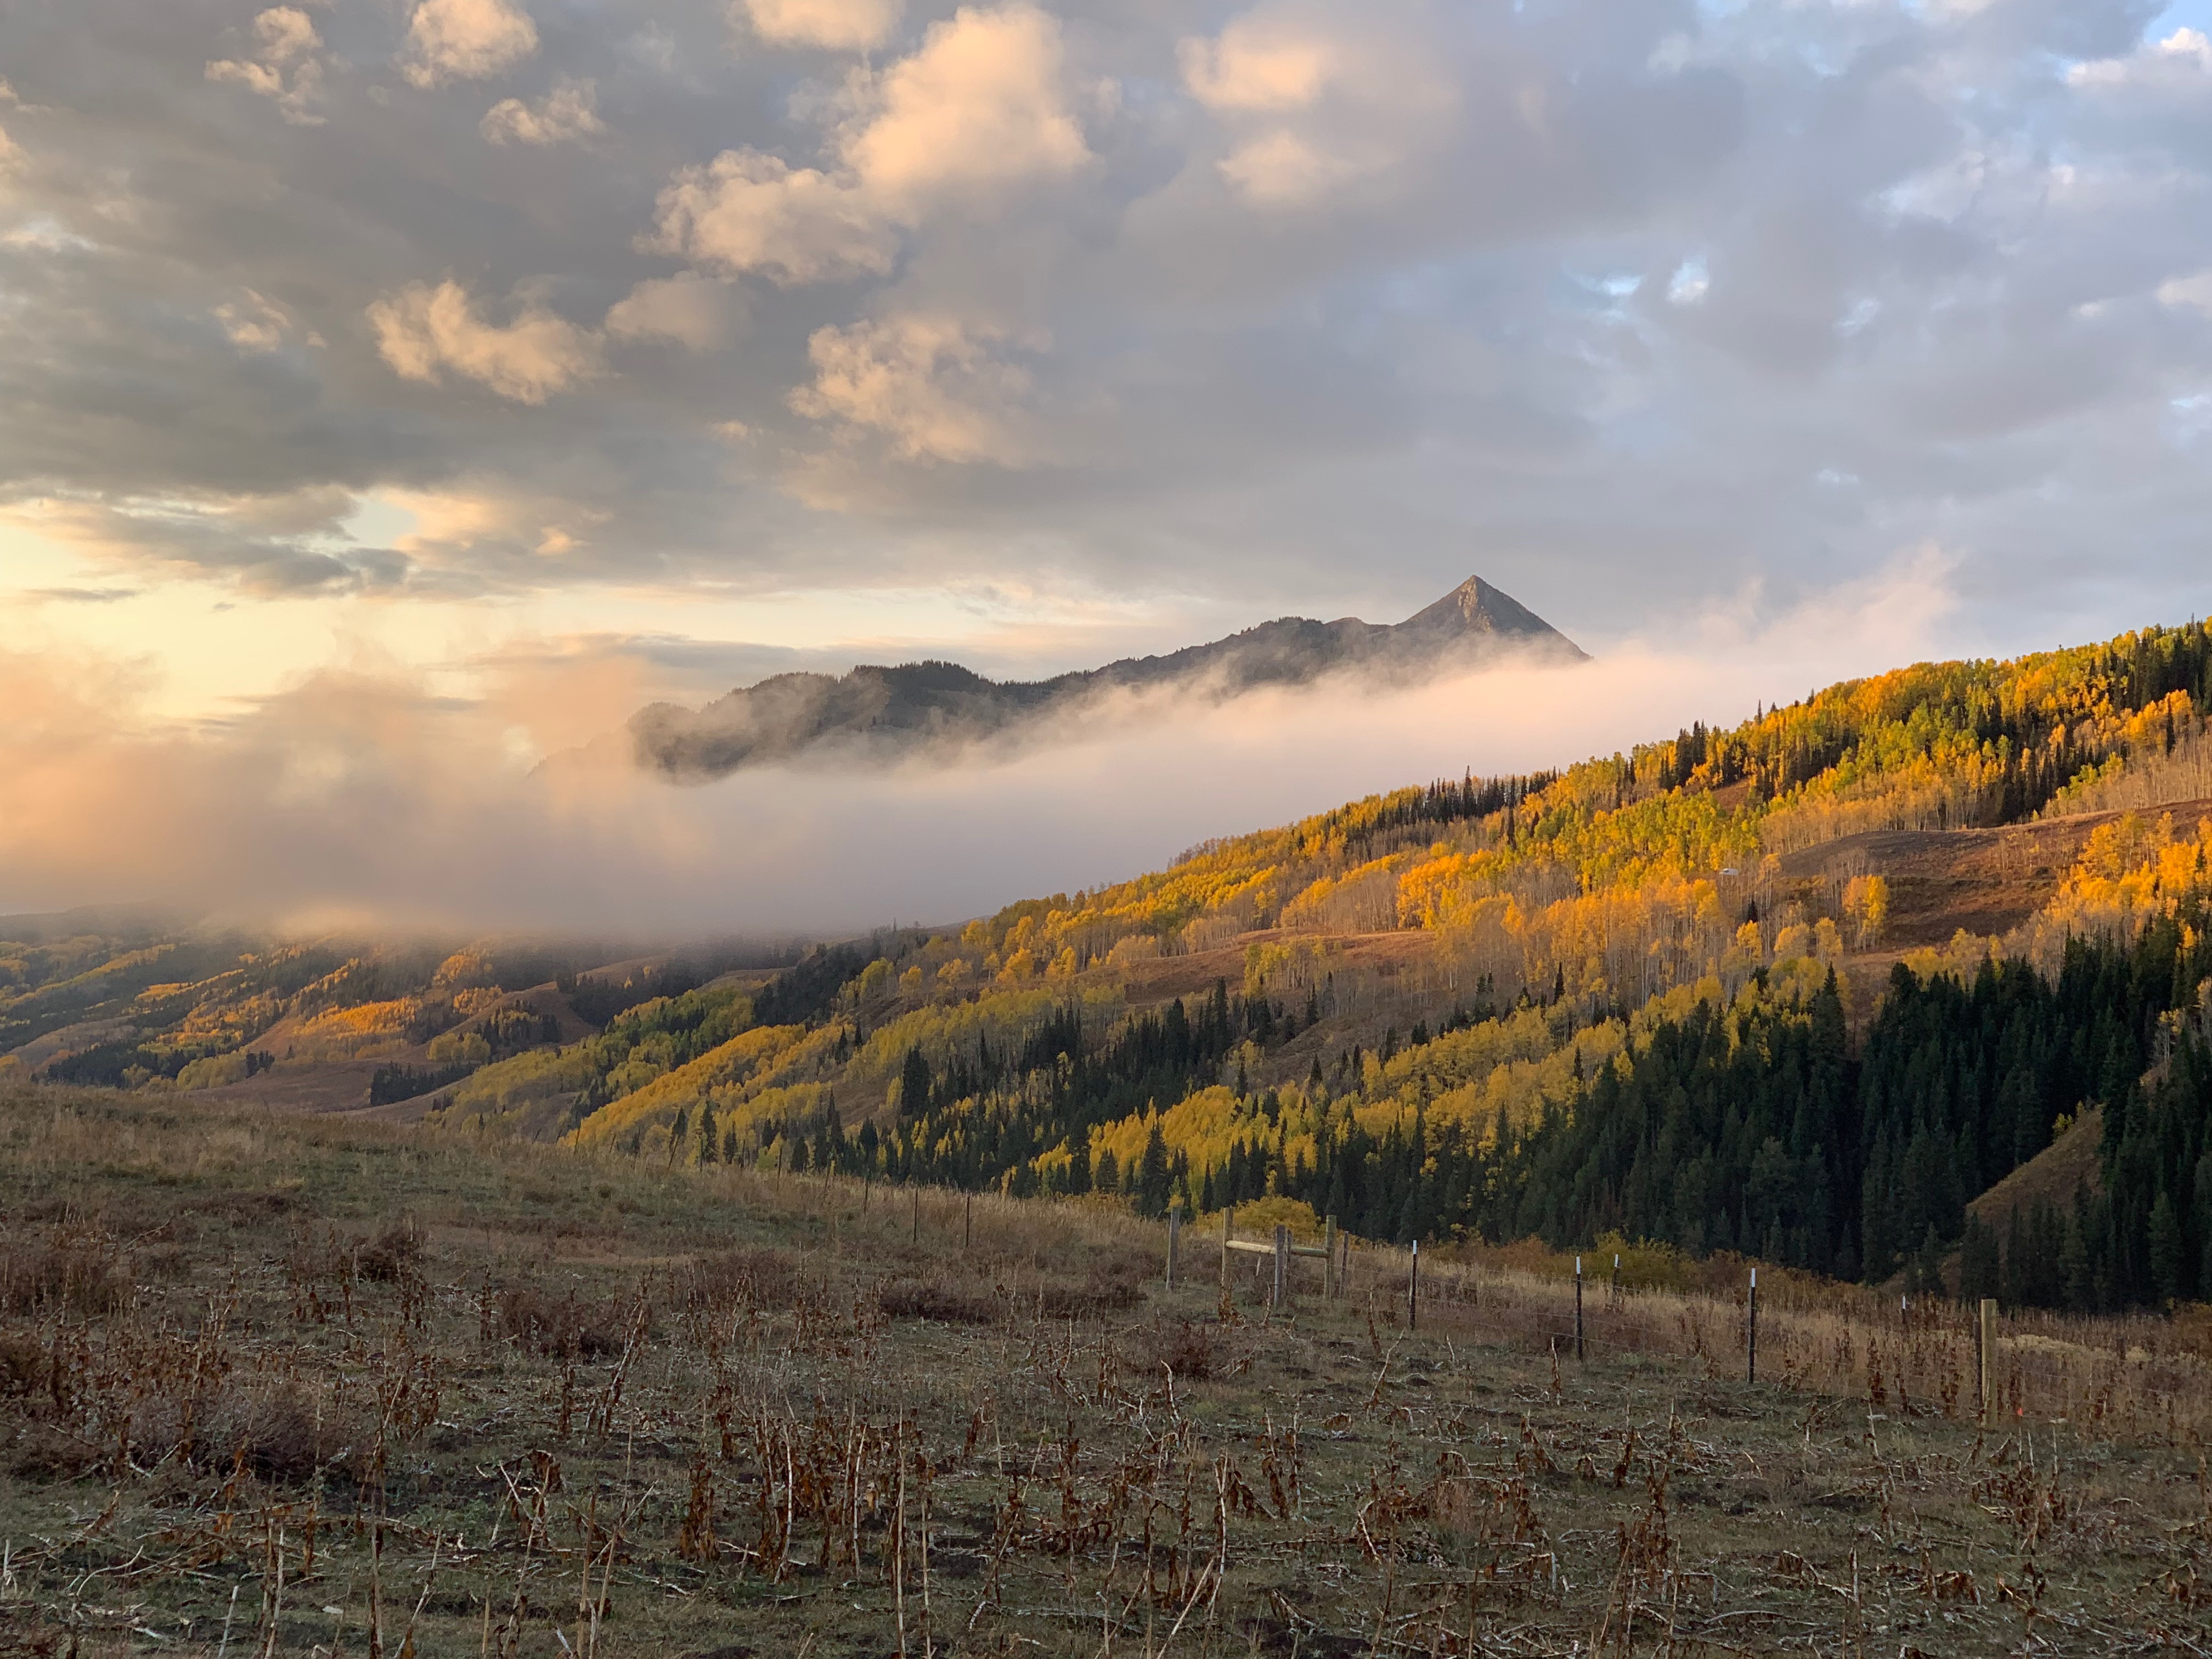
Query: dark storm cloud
point(1618, 301)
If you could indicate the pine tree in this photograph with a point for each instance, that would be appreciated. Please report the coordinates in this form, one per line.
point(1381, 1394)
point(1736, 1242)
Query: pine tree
point(2165, 1256)
point(913, 1084)
point(1153, 1176)
point(2074, 1266)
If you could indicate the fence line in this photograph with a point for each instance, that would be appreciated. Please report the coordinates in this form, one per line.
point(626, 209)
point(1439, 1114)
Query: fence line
point(2142, 1376)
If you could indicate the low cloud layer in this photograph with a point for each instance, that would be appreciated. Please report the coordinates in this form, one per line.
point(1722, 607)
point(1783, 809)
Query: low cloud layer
point(360, 797)
point(1620, 302)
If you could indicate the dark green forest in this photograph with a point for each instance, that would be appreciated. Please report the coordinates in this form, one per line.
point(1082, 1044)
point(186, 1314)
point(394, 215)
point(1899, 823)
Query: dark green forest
point(1762, 1129)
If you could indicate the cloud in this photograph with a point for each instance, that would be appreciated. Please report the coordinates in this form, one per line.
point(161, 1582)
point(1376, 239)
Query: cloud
point(2182, 61)
point(83, 595)
point(1317, 104)
point(1281, 169)
point(455, 526)
point(264, 545)
point(939, 389)
point(361, 792)
point(253, 323)
point(694, 311)
point(979, 111)
point(746, 211)
point(835, 25)
point(563, 115)
point(465, 41)
point(2193, 292)
point(1257, 63)
point(424, 331)
point(982, 108)
point(283, 67)
point(1344, 297)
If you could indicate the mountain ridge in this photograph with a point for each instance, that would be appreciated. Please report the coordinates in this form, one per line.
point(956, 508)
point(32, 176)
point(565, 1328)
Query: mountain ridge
point(914, 706)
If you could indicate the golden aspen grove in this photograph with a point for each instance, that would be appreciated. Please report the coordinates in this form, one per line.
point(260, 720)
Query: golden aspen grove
point(1411, 1012)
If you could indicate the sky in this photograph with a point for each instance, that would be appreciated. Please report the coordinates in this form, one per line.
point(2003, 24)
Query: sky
point(531, 359)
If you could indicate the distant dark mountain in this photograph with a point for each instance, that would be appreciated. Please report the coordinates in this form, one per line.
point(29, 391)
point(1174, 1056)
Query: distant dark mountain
point(915, 705)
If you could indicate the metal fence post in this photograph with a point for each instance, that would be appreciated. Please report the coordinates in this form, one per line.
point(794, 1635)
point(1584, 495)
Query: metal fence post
point(1175, 1237)
point(1282, 1266)
point(1413, 1290)
point(1751, 1332)
point(1578, 1309)
point(1328, 1258)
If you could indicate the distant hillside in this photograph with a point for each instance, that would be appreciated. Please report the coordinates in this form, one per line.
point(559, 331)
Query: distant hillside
point(919, 704)
point(1802, 988)
point(123, 998)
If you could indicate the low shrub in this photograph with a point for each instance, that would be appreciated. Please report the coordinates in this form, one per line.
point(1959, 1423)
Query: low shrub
point(272, 1432)
point(1113, 1286)
point(934, 1298)
point(564, 1327)
point(392, 1254)
point(80, 1275)
point(22, 1364)
point(764, 1278)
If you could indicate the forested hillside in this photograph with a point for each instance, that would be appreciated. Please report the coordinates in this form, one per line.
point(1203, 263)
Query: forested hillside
point(1801, 988)
point(1704, 993)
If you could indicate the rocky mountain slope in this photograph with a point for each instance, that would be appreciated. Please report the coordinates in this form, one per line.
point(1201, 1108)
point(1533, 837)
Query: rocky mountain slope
point(916, 705)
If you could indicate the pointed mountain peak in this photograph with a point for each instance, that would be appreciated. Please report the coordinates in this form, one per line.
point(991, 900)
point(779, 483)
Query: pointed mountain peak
point(1475, 607)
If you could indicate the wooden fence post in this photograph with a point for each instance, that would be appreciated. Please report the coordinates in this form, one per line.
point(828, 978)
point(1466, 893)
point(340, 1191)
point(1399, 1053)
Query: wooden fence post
point(1175, 1237)
point(1413, 1290)
point(1988, 1346)
point(1751, 1332)
point(1282, 1266)
point(1328, 1258)
point(1579, 1310)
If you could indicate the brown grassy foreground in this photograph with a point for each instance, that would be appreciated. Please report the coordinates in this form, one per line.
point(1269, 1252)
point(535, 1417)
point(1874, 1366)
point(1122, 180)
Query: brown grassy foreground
point(276, 1385)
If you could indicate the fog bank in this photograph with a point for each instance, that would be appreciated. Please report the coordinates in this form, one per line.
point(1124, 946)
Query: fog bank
point(358, 798)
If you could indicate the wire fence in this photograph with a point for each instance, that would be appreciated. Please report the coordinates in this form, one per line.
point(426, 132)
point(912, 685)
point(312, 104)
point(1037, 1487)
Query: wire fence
point(2141, 1376)
point(2138, 1376)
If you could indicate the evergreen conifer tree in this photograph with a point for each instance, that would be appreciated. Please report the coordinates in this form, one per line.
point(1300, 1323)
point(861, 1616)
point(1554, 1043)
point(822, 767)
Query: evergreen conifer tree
point(1153, 1183)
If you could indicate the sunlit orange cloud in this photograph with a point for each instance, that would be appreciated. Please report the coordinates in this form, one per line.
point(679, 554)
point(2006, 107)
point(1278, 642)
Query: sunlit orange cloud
point(358, 796)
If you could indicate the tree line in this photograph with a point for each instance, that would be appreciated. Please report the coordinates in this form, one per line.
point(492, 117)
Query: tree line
point(1758, 1127)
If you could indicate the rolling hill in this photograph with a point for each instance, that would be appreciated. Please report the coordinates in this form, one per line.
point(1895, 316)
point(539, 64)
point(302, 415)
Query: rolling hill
point(1802, 988)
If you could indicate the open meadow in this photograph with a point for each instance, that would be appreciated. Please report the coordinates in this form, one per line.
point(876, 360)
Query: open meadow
point(285, 1385)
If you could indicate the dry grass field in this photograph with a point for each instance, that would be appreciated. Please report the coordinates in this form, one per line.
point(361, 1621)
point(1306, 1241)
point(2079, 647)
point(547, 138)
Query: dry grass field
point(283, 1385)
